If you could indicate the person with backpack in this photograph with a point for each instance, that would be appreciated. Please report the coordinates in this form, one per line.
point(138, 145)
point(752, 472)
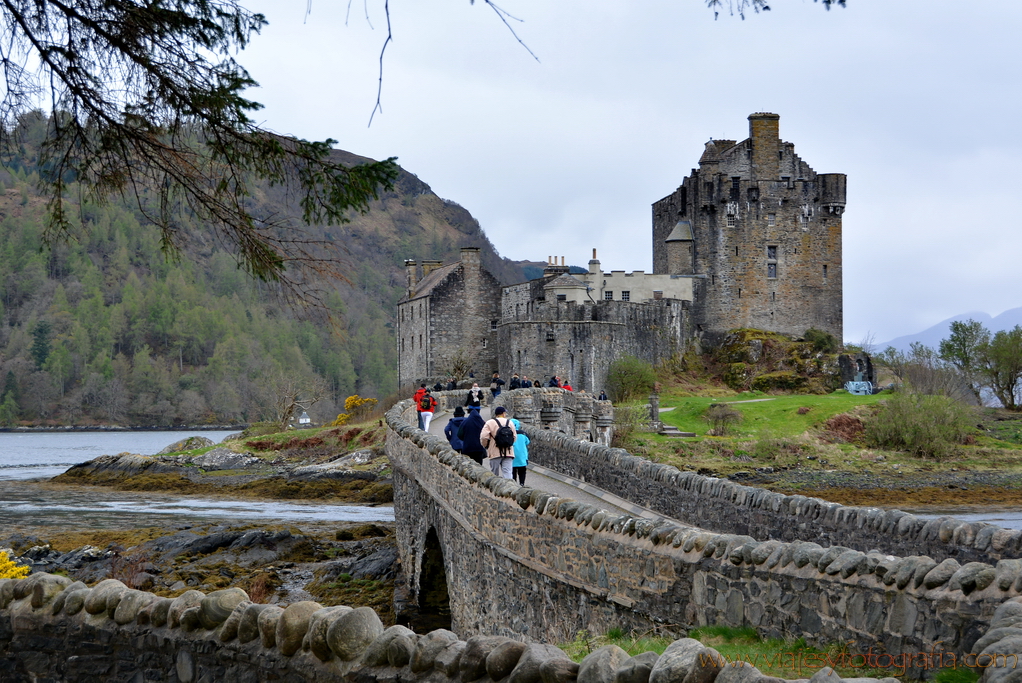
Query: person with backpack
point(427, 404)
point(498, 437)
point(452, 427)
point(521, 462)
point(469, 432)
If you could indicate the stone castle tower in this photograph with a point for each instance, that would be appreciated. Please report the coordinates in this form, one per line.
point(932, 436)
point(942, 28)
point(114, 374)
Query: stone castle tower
point(760, 231)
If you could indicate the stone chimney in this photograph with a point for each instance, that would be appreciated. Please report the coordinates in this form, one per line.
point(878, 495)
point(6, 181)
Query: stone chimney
point(471, 260)
point(429, 266)
point(411, 269)
point(764, 133)
point(594, 265)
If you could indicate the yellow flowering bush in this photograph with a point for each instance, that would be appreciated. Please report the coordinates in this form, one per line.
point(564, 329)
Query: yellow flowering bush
point(358, 408)
point(11, 570)
point(341, 420)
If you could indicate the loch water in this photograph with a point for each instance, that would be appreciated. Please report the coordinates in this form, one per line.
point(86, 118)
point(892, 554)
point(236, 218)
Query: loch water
point(28, 460)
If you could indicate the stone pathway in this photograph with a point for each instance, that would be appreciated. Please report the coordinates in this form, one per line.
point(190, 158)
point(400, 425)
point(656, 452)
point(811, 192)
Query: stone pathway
point(562, 485)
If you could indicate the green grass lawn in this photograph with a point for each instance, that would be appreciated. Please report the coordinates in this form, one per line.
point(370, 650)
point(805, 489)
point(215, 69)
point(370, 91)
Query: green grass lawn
point(776, 416)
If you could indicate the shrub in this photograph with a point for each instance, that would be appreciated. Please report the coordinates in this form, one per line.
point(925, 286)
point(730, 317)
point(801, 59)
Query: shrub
point(823, 342)
point(927, 426)
point(630, 377)
point(10, 569)
point(722, 418)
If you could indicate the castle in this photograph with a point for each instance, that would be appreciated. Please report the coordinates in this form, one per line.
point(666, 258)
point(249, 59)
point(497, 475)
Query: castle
point(752, 238)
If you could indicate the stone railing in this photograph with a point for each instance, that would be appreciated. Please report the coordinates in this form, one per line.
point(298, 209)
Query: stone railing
point(629, 571)
point(726, 506)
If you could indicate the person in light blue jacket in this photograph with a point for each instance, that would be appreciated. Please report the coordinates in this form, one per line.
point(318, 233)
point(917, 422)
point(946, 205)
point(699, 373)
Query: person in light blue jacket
point(521, 461)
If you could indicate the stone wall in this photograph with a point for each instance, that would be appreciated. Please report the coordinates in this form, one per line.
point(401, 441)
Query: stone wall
point(580, 341)
point(524, 563)
point(728, 507)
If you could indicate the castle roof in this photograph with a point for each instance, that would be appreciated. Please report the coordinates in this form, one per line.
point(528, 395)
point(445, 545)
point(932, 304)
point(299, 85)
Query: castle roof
point(714, 148)
point(682, 232)
point(426, 285)
point(565, 280)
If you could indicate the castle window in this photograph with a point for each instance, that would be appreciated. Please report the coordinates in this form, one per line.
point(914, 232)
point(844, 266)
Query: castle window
point(773, 296)
point(771, 270)
point(626, 295)
point(658, 294)
point(608, 295)
point(732, 220)
point(736, 186)
point(771, 219)
point(484, 342)
point(562, 297)
point(786, 179)
point(493, 325)
point(825, 272)
point(772, 253)
point(420, 341)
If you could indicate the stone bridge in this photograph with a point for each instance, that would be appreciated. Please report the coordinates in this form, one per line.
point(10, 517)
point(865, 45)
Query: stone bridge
point(511, 568)
point(511, 560)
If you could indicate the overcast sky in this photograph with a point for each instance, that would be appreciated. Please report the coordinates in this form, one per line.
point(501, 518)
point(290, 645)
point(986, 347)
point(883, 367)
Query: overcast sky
point(918, 101)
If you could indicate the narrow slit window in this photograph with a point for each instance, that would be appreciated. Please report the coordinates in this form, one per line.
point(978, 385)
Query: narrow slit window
point(771, 270)
point(825, 272)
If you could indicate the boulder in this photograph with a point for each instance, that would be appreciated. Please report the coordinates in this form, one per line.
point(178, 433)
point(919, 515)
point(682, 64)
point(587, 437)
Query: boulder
point(351, 633)
point(503, 659)
point(187, 444)
point(267, 623)
point(110, 589)
point(315, 638)
point(533, 657)
point(47, 587)
point(229, 629)
point(558, 671)
point(600, 665)
point(376, 654)
point(636, 669)
point(248, 627)
point(473, 659)
point(293, 625)
point(401, 649)
point(689, 661)
point(429, 647)
point(448, 662)
point(182, 602)
point(219, 605)
point(132, 602)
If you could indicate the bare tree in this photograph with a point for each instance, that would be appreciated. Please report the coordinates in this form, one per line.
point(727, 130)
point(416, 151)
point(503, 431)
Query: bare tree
point(293, 394)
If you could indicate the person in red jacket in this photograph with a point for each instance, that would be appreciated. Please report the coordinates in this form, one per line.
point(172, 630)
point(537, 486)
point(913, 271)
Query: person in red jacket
point(426, 406)
point(416, 397)
point(567, 385)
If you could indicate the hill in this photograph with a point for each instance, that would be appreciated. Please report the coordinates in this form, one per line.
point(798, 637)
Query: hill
point(105, 330)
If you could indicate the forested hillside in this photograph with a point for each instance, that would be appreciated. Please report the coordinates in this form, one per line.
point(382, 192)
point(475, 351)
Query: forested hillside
point(106, 330)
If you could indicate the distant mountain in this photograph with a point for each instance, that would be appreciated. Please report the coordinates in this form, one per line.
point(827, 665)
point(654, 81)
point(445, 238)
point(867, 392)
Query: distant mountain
point(932, 336)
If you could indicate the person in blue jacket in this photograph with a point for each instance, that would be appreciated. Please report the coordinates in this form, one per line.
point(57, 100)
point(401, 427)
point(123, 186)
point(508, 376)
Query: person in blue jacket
point(451, 430)
point(521, 461)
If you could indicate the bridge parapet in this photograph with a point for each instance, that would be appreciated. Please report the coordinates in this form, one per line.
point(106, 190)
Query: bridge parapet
point(523, 563)
point(729, 507)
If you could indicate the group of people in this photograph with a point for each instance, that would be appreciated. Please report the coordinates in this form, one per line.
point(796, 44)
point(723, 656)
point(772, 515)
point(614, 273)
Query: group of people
point(498, 440)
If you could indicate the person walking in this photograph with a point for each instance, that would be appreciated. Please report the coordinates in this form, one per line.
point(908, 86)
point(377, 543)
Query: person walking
point(469, 433)
point(496, 385)
point(520, 464)
point(452, 427)
point(475, 397)
point(498, 437)
point(417, 396)
point(427, 404)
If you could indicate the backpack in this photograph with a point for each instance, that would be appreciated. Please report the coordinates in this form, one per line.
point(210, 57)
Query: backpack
point(504, 438)
point(426, 403)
